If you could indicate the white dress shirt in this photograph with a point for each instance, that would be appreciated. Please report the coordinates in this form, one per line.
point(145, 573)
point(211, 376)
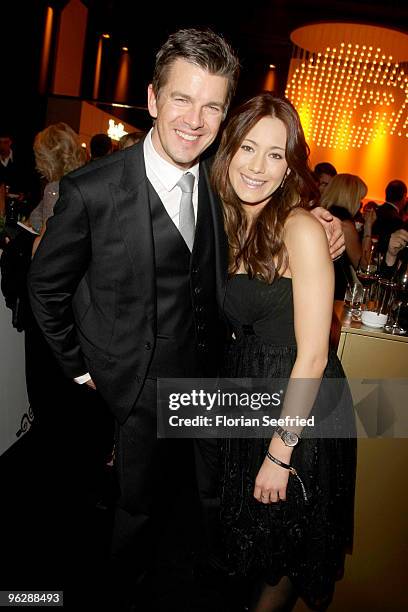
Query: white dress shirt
point(393, 205)
point(164, 178)
point(5, 161)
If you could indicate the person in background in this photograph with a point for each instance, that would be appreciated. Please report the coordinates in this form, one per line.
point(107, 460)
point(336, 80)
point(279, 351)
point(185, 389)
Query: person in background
point(10, 173)
point(371, 205)
point(365, 209)
point(17, 173)
point(2, 202)
point(288, 530)
point(404, 213)
point(324, 172)
point(396, 251)
point(16, 243)
point(57, 151)
point(100, 146)
point(73, 429)
point(389, 215)
point(130, 139)
point(342, 197)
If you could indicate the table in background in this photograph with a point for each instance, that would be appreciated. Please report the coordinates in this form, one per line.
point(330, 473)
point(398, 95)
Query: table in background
point(375, 574)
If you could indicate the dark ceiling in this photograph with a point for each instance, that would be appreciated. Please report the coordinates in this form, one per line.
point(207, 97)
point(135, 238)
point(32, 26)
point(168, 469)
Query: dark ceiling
point(260, 32)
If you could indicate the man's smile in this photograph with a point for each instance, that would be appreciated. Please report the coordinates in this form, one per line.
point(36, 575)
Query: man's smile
point(188, 137)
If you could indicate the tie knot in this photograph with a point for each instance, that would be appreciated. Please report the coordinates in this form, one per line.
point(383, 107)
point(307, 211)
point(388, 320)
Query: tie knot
point(186, 183)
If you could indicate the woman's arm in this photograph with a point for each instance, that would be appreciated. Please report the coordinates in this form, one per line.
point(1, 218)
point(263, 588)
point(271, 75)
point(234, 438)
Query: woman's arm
point(353, 244)
point(312, 274)
point(313, 289)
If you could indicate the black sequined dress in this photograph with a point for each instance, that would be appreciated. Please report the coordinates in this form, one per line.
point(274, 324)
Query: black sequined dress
point(305, 541)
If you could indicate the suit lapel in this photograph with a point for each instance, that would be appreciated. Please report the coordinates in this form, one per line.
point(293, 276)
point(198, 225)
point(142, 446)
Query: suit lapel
point(131, 201)
point(221, 245)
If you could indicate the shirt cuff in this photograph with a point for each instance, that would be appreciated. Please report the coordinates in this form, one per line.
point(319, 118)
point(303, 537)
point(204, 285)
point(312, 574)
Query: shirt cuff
point(83, 379)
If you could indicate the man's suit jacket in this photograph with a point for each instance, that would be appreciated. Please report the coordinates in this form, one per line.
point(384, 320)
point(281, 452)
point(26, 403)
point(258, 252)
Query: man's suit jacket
point(387, 222)
point(92, 280)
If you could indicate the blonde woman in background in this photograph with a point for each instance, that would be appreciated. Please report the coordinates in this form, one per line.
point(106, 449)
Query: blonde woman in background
point(57, 151)
point(343, 197)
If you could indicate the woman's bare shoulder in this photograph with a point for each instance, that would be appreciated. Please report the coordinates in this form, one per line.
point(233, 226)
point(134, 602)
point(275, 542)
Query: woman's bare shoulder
point(300, 223)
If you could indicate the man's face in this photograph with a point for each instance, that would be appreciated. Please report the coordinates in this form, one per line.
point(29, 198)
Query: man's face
point(5, 146)
point(324, 180)
point(188, 110)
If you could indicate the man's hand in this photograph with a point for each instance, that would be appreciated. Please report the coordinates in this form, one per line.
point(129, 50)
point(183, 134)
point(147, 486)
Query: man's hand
point(398, 240)
point(334, 231)
point(91, 384)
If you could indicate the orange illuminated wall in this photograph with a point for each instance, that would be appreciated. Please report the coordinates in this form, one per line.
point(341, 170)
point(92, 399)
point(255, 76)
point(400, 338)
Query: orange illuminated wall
point(349, 86)
point(377, 164)
point(70, 49)
point(46, 50)
point(270, 79)
point(122, 83)
point(96, 121)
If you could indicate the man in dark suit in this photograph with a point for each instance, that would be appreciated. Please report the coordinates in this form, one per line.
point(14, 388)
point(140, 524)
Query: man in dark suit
point(126, 280)
point(16, 170)
point(121, 295)
point(8, 168)
point(389, 215)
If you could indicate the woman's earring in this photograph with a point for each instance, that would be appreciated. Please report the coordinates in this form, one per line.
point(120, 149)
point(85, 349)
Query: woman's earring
point(285, 176)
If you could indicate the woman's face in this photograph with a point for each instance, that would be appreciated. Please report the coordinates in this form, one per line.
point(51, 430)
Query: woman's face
point(258, 167)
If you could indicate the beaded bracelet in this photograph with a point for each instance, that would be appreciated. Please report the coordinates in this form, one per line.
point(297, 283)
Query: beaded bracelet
point(291, 470)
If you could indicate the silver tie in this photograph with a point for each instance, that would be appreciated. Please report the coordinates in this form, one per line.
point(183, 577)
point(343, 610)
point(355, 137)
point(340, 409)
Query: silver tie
point(186, 220)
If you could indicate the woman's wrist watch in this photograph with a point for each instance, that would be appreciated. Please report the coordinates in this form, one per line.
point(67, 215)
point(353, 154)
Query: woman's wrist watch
point(289, 438)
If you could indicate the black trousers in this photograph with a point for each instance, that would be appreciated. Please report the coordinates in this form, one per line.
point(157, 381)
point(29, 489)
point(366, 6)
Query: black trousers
point(168, 496)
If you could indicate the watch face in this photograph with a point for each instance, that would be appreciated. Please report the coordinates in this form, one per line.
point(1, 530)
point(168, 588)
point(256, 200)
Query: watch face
point(291, 439)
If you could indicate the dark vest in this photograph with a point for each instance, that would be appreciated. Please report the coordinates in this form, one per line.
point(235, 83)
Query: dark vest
point(186, 341)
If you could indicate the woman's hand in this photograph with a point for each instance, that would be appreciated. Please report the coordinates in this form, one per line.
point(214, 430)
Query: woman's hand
point(271, 483)
point(369, 218)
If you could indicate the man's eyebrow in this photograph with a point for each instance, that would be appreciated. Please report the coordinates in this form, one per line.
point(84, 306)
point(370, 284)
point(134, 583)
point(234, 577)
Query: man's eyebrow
point(181, 94)
point(272, 147)
point(175, 94)
point(216, 103)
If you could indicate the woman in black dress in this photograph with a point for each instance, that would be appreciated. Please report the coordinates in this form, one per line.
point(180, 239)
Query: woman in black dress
point(290, 532)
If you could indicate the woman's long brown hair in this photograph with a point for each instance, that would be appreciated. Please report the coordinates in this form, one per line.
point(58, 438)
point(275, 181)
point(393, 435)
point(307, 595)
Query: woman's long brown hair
point(261, 245)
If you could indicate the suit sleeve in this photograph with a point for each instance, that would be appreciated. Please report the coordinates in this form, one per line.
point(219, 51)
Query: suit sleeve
point(60, 262)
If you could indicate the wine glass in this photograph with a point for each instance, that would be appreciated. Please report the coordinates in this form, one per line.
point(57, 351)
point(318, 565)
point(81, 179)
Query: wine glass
point(368, 271)
point(367, 275)
point(398, 320)
point(353, 299)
